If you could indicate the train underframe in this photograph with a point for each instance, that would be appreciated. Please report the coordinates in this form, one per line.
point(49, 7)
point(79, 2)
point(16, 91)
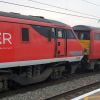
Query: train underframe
point(37, 73)
point(33, 74)
point(90, 64)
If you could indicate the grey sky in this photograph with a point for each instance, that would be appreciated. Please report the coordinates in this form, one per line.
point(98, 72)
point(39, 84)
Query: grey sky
point(77, 5)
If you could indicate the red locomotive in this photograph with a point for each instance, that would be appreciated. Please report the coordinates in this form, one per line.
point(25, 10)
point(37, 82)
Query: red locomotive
point(33, 48)
point(90, 40)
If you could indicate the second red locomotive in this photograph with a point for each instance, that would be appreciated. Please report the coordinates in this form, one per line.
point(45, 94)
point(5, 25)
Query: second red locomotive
point(90, 40)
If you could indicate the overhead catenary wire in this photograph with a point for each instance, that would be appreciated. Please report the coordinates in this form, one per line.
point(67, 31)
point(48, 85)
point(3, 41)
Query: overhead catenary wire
point(16, 4)
point(91, 3)
point(62, 8)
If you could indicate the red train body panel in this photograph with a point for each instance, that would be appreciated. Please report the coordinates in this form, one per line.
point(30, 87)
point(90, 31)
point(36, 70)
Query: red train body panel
point(94, 39)
point(95, 44)
point(21, 42)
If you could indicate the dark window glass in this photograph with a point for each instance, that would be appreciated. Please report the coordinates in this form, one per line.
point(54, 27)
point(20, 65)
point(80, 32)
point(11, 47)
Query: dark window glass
point(96, 36)
point(45, 31)
point(25, 34)
point(70, 34)
point(83, 35)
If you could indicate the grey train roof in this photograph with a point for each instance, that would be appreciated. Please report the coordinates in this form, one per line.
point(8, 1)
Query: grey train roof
point(29, 17)
point(85, 28)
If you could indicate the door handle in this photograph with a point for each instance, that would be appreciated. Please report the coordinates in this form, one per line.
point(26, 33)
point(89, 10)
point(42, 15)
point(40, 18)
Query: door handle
point(58, 52)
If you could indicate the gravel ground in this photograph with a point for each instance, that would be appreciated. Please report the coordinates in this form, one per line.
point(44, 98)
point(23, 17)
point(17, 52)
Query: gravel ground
point(50, 91)
point(76, 93)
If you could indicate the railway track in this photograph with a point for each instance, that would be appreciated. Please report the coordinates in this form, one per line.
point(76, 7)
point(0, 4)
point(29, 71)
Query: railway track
point(49, 88)
point(77, 92)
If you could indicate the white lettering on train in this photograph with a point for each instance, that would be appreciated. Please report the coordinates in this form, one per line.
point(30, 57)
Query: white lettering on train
point(5, 38)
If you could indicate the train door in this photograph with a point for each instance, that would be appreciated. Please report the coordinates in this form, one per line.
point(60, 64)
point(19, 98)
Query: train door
point(60, 43)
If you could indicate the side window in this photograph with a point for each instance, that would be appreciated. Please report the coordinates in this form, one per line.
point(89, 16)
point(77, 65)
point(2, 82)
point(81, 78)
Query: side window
point(25, 34)
point(60, 33)
point(96, 36)
point(70, 35)
point(83, 35)
point(43, 30)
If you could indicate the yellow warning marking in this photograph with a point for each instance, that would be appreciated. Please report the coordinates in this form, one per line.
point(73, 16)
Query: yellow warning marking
point(86, 98)
point(85, 43)
point(91, 97)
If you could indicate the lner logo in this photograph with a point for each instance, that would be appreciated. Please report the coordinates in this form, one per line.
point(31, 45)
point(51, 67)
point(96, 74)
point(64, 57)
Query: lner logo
point(5, 38)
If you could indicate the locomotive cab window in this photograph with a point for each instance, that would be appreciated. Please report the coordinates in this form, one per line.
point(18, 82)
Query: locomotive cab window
point(25, 34)
point(70, 34)
point(83, 35)
point(43, 30)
